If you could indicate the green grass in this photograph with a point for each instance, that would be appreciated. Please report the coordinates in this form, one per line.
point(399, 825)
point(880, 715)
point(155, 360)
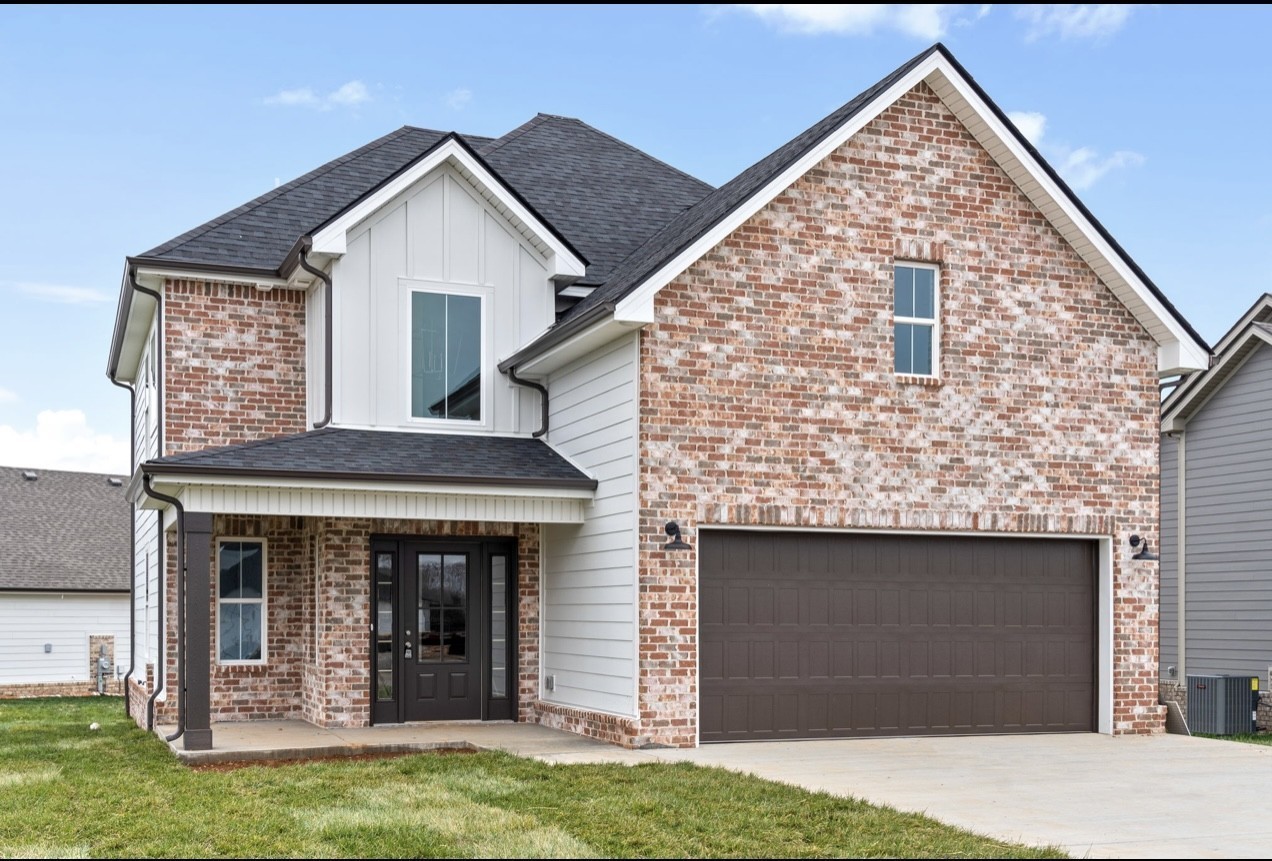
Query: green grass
point(66, 791)
point(1248, 738)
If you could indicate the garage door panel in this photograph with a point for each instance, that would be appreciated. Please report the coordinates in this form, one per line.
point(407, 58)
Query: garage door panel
point(864, 635)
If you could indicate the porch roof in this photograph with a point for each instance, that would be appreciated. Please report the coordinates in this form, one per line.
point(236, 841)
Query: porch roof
point(375, 455)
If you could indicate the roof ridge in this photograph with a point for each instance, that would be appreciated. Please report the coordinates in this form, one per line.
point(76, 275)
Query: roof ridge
point(41, 469)
point(708, 186)
point(274, 193)
point(537, 119)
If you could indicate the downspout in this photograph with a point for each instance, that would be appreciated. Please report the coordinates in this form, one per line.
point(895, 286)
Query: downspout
point(1181, 543)
point(181, 567)
point(307, 243)
point(542, 390)
point(132, 542)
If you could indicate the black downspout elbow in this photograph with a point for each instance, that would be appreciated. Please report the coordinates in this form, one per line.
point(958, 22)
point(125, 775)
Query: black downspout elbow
point(181, 570)
point(132, 542)
point(543, 392)
point(306, 243)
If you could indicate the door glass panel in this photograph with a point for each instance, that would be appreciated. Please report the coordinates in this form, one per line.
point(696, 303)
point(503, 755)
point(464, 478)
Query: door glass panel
point(498, 627)
point(455, 608)
point(384, 652)
point(429, 611)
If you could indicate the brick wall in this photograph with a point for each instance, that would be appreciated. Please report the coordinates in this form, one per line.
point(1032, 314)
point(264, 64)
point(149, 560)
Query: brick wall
point(56, 689)
point(768, 396)
point(234, 364)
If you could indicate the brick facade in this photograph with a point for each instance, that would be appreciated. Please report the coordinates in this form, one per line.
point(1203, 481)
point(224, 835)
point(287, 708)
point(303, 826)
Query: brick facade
point(768, 395)
point(234, 364)
point(57, 689)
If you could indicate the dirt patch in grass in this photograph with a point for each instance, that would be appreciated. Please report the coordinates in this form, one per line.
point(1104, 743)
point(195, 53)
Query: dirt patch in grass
point(349, 757)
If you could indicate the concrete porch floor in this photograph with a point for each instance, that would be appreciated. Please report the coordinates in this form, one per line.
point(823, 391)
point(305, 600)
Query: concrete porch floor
point(262, 741)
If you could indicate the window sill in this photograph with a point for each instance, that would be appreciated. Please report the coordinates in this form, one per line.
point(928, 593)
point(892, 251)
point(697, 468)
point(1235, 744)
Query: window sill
point(246, 667)
point(915, 380)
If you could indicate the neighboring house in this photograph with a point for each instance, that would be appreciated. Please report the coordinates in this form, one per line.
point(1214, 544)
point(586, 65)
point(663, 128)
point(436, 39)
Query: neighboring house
point(893, 384)
point(64, 561)
point(1216, 554)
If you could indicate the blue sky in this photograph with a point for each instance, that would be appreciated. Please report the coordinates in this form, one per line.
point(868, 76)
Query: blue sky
point(123, 127)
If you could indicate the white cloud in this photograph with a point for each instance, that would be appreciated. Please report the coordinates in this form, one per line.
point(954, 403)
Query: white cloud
point(1031, 124)
point(1074, 20)
point(1081, 167)
point(921, 20)
point(458, 98)
point(7, 396)
point(348, 95)
point(62, 439)
point(61, 293)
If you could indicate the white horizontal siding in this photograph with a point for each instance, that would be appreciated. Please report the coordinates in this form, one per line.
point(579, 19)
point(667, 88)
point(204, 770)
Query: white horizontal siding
point(64, 620)
point(1229, 526)
point(589, 571)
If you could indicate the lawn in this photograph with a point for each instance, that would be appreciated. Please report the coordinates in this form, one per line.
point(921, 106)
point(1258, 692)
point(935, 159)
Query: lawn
point(66, 791)
point(1248, 738)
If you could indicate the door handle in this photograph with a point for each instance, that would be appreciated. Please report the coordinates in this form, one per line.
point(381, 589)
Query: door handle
point(406, 644)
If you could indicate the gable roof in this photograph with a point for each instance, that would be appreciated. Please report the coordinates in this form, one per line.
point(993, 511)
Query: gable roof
point(346, 454)
point(679, 243)
point(1252, 331)
point(64, 531)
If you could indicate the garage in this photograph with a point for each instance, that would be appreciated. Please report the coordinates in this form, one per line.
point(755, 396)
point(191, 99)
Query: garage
point(837, 635)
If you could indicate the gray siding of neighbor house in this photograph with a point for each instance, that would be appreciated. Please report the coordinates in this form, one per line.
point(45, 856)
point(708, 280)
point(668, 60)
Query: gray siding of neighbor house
point(1168, 649)
point(1228, 518)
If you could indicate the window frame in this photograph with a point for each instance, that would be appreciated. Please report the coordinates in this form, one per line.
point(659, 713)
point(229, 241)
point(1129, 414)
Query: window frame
point(934, 322)
point(263, 600)
point(413, 286)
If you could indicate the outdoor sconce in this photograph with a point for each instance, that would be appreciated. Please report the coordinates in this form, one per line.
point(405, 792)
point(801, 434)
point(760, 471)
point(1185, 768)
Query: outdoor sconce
point(1144, 552)
point(673, 532)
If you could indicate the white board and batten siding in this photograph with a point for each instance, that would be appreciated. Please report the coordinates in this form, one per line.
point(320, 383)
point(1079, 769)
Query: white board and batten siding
point(589, 570)
point(64, 621)
point(1228, 524)
point(146, 568)
point(439, 235)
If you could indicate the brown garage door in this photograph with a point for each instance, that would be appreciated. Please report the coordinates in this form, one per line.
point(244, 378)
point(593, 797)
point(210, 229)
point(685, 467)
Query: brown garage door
point(819, 635)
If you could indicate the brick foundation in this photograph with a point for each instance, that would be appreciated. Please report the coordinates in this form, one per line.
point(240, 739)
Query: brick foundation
point(768, 396)
point(56, 689)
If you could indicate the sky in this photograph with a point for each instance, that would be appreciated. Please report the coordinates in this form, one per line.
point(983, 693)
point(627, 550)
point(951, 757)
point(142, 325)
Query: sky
point(122, 127)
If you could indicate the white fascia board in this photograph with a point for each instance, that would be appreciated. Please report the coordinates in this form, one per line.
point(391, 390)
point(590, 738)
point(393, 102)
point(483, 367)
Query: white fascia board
point(1178, 351)
point(637, 306)
point(580, 344)
point(159, 480)
point(154, 277)
point(332, 239)
point(1202, 389)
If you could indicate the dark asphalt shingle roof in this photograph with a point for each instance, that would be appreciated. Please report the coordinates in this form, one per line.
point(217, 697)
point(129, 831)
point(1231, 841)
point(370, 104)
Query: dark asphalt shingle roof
point(65, 531)
point(603, 196)
point(344, 453)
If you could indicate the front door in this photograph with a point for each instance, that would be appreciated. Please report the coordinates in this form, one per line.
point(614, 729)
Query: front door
point(442, 637)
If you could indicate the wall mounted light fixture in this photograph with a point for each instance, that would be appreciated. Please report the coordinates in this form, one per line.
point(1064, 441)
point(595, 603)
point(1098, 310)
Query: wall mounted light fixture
point(673, 532)
point(1144, 552)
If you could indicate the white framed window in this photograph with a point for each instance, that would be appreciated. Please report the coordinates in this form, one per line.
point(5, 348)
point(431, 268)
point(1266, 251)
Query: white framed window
point(916, 329)
point(447, 337)
point(240, 601)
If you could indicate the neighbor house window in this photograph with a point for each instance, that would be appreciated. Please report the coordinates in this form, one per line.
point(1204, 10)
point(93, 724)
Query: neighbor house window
point(446, 352)
point(916, 338)
point(240, 601)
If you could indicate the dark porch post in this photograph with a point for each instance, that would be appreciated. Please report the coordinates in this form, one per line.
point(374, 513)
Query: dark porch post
point(198, 645)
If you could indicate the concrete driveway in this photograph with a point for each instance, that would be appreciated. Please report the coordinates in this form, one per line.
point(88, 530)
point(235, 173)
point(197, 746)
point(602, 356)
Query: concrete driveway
point(1095, 796)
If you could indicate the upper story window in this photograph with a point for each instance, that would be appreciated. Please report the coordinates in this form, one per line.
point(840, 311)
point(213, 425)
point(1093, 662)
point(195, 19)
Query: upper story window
point(446, 356)
point(240, 603)
point(916, 334)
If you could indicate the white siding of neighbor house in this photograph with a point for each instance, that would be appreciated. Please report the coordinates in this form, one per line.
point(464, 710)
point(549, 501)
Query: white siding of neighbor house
point(64, 620)
point(589, 571)
point(145, 560)
point(1228, 523)
point(440, 234)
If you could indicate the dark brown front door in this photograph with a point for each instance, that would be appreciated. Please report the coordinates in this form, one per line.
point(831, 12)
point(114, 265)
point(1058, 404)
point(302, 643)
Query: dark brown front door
point(823, 635)
point(442, 643)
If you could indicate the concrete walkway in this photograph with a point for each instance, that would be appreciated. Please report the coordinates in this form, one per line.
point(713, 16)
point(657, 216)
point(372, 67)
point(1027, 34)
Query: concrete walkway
point(1095, 796)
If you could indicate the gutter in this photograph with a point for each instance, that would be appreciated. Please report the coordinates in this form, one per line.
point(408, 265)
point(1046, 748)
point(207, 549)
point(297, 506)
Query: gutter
point(181, 566)
point(132, 544)
point(152, 470)
point(306, 244)
point(543, 399)
point(561, 332)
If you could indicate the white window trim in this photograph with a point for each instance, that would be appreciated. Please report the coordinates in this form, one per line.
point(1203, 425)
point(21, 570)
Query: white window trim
point(934, 321)
point(264, 600)
point(487, 365)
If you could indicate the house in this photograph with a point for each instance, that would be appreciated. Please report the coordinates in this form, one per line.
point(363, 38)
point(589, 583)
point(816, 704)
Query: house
point(1216, 551)
point(64, 561)
point(539, 428)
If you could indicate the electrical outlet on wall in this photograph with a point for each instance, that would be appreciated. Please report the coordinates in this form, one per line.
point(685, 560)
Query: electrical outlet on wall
point(549, 682)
